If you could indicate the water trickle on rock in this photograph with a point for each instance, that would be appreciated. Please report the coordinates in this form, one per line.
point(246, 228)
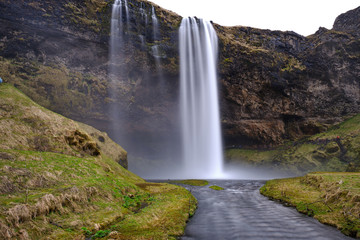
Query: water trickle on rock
point(127, 14)
point(143, 13)
point(155, 48)
point(199, 104)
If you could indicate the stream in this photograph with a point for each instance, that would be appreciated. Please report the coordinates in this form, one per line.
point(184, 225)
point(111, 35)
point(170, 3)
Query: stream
point(241, 212)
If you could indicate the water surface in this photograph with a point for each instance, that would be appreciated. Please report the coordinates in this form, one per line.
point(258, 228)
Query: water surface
point(241, 212)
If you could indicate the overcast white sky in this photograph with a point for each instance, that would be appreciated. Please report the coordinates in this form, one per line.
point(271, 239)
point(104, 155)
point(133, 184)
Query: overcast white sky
point(301, 16)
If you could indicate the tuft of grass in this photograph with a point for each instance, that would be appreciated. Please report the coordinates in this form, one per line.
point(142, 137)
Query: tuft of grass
point(332, 198)
point(217, 188)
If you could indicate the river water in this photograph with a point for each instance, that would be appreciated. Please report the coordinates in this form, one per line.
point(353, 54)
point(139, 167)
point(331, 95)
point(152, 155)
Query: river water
point(241, 212)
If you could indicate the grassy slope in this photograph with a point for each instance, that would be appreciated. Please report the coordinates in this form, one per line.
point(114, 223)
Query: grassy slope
point(66, 193)
point(332, 198)
point(321, 152)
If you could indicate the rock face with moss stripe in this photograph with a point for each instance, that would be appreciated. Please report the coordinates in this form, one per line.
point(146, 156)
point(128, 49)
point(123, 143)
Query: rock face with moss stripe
point(337, 149)
point(274, 85)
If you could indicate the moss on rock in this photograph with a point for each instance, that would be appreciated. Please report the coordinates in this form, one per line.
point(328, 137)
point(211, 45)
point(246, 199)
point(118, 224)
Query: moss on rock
point(332, 150)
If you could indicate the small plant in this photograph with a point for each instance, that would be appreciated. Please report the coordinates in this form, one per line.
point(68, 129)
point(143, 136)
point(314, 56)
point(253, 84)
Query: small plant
point(101, 234)
point(86, 231)
point(227, 60)
point(128, 202)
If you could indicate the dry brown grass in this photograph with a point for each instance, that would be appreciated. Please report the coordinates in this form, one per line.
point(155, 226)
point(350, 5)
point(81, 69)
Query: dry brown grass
point(49, 203)
point(5, 231)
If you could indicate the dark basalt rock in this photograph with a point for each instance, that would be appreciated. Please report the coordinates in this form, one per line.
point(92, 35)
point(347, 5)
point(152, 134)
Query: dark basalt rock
point(348, 22)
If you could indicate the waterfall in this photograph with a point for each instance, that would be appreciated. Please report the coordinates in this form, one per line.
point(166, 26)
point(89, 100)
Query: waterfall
point(119, 24)
point(127, 15)
point(143, 13)
point(199, 106)
point(154, 22)
point(155, 48)
point(116, 34)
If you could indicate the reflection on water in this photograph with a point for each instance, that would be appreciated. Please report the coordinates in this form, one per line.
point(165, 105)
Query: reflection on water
point(241, 212)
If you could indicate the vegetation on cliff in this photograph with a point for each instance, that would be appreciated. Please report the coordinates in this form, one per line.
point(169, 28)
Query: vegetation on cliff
point(337, 149)
point(331, 198)
point(60, 180)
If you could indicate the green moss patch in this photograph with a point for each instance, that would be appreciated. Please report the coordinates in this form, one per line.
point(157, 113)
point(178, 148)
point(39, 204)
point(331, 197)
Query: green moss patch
point(217, 188)
point(192, 182)
point(331, 198)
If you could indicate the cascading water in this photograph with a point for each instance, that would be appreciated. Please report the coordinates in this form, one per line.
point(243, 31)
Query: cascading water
point(115, 61)
point(200, 117)
point(155, 22)
point(116, 34)
point(155, 48)
point(127, 14)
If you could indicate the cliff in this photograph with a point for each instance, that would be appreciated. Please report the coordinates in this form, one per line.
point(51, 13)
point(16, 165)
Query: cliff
point(280, 85)
point(274, 85)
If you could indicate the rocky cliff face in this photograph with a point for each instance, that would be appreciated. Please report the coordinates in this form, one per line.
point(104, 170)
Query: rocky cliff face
point(279, 85)
point(274, 85)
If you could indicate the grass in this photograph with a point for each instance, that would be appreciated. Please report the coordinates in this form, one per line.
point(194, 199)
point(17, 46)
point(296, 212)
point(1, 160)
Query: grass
point(94, 194)
point(171, 207)
point(67, 193)
point(331, 198)
point(192, 182)
point(133, 208)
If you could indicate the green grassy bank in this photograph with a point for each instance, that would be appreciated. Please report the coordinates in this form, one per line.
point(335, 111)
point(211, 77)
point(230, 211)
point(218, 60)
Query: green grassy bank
point(331, 198)
point(60, 179)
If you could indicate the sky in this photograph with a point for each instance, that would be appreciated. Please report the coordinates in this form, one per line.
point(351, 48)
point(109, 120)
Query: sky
point(301, 16)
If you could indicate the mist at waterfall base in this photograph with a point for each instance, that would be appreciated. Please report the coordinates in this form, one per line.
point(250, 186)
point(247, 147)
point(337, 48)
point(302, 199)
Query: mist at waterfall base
point(192, 148)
